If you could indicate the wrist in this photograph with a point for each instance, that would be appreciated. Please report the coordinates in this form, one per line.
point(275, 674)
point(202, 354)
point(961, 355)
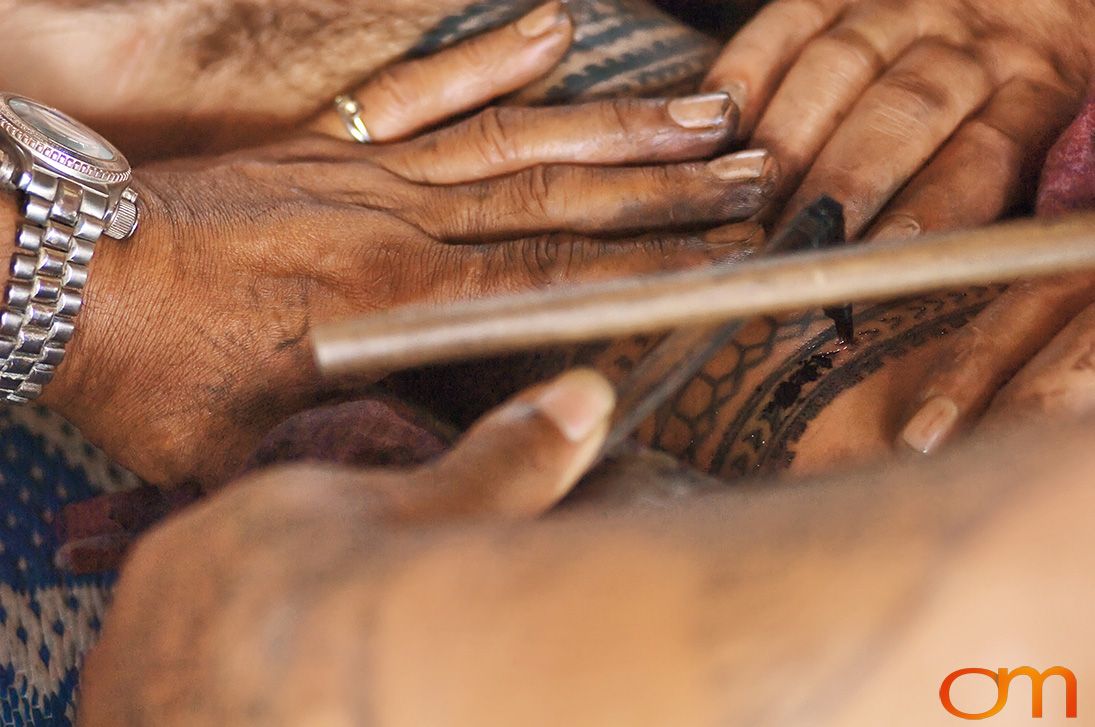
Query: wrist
point(88, 386)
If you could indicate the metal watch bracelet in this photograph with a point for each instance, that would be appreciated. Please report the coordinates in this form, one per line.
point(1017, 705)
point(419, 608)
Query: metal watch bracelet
point(54, 242)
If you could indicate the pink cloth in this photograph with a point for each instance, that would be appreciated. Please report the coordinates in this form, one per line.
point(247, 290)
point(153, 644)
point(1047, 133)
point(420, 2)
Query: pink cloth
point(1068, 180)
point(379, 431)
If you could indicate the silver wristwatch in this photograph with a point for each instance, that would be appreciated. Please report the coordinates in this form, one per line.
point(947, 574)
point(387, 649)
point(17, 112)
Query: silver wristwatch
point(74, 188)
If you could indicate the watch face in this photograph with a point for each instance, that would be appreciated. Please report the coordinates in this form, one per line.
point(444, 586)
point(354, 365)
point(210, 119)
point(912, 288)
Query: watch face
point(58, 141)
point(63, 130)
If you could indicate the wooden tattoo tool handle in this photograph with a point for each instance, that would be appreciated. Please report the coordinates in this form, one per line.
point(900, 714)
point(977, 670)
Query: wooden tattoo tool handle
point(415, 336)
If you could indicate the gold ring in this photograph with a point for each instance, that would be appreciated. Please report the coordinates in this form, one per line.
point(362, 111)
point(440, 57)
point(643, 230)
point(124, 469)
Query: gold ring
point(349, 110)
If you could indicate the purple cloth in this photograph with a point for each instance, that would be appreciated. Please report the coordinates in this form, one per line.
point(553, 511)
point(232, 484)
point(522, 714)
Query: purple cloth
point(1068, 179)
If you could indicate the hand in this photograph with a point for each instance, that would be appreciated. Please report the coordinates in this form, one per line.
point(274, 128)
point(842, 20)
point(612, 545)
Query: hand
point(198, 75)
point(516, 463)
point(920, 114)
point(1018, 330)
point(193, 339)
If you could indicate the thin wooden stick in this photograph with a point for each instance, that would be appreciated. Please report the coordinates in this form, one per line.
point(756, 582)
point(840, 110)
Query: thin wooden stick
point(414, 336)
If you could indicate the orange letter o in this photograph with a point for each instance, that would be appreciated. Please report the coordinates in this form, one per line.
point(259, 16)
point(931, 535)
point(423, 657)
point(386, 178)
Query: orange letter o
point(945, 694)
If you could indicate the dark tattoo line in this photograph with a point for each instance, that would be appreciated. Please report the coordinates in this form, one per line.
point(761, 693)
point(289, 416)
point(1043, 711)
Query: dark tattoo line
point(724, 389)
point(577, 84)
point(471, 20)
point(621, 47)
point(762, 434)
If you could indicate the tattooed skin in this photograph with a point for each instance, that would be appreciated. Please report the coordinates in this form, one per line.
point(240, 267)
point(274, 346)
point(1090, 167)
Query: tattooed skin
point(748, 411)
point(621, 48)
point(734, 433)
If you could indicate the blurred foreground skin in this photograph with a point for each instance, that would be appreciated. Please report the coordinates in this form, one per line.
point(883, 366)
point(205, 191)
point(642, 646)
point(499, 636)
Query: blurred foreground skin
point(839, 601)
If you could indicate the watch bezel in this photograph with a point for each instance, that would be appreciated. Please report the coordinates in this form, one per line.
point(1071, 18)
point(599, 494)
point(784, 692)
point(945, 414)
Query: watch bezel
point(57, 156)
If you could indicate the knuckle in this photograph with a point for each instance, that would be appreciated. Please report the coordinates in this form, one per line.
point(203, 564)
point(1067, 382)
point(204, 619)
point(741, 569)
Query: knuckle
point(809, 12)
point(958, 62)
point(492, 132)
point(996, 141)
point(392, 89)
point(532, 191)
point(478, 54)
point(546, 260)
point(912, 96)
point(625, 114)
point(848, 45)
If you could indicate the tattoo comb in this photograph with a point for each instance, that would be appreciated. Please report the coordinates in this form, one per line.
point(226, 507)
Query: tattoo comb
point(706, 297)
point(670, 365)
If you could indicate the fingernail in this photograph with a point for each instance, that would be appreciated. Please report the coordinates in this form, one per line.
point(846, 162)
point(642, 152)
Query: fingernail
point(931, 425)
point(736, 92)
point(542, 20)
point(743, 166)
point(700, 112)
point(577, 403)
point(902, 227)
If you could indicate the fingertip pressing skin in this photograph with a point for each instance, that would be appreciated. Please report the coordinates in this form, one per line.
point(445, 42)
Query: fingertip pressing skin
point(702, 111)
point(901, 227)
point(751, 66)
point(577, 403)
point(542, 20)
point(1010, 335)
point(931, 425)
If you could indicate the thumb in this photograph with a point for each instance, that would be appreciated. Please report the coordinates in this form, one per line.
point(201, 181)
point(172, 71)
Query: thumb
point(525, 456)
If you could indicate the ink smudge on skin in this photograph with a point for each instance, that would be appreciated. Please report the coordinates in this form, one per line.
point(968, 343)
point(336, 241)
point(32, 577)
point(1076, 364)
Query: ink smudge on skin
point(789, 390)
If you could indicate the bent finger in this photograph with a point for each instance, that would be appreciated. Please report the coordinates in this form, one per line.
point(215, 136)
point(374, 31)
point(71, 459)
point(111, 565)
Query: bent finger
point(522, 458)
point(980, 357)
point(828, 79)
point(895, 128)
point(989, 164)
point(410, 96)
point(501, 140)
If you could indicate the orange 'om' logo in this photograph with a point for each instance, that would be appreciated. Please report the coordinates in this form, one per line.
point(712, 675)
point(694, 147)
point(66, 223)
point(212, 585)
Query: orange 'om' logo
point(1003, 678)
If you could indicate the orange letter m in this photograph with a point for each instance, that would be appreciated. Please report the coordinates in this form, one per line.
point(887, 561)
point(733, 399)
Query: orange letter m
point(1037, 680)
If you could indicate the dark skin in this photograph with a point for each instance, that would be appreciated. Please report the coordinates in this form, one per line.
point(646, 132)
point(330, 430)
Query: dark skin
point(193, 339)
point(411, 592)
point(784, 394)
point(707, 424)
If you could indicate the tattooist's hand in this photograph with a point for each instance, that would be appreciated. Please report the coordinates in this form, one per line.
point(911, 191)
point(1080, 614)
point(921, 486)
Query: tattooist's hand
point(193, 341)
point(288, 536)
point(918, 115)
point(1026, 329)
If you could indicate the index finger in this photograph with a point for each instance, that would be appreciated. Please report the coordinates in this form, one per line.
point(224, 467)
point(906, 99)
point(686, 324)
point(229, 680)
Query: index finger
point(755, 60)
point(407, 97)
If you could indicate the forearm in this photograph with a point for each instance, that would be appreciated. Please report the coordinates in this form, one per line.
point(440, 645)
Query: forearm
point(732, 598)
point(388, 626)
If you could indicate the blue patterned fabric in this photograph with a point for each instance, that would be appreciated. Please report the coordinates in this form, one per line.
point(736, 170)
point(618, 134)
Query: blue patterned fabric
point(48, 619)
